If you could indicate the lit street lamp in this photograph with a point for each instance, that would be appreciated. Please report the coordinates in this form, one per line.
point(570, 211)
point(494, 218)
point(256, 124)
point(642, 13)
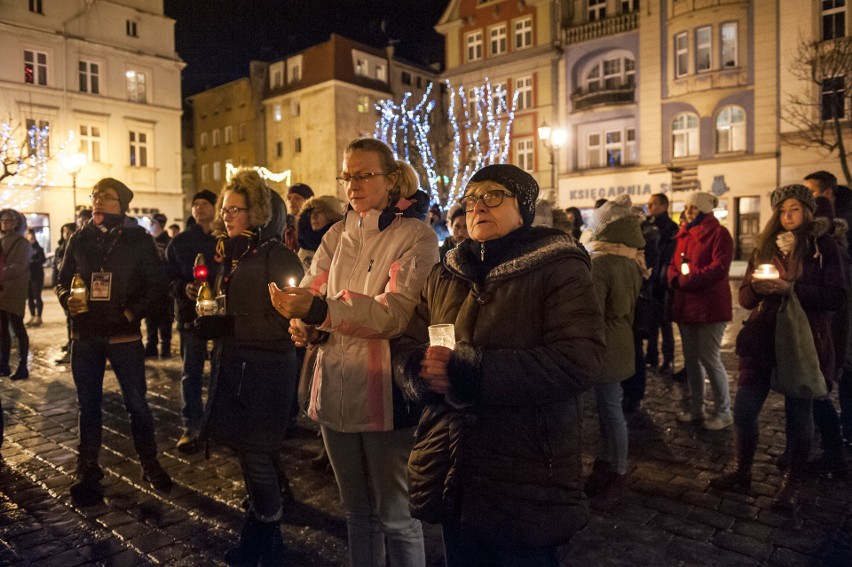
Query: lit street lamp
point(73, 163)
point(553, 139)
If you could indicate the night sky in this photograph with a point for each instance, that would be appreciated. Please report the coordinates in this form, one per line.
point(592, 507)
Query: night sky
point(218, 38)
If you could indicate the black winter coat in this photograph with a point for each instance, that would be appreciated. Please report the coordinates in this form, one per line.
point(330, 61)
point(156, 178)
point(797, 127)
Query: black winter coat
point(180, 260)
point(129, 254)
point(530, 341)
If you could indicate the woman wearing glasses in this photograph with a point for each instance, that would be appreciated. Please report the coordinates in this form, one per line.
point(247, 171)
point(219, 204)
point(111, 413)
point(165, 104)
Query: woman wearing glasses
point(254, 361)
point(359, 294)
point(497, 454)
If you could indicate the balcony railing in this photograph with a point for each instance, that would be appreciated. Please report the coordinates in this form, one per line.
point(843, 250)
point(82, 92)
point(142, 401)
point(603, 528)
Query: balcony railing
point(584, 99)
point(601, 28)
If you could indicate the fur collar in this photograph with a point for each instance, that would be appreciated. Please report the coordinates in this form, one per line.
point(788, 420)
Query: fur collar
point(540, 246)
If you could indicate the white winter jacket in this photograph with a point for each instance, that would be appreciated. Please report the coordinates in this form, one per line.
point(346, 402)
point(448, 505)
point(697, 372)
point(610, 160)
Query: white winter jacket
point(371, 280)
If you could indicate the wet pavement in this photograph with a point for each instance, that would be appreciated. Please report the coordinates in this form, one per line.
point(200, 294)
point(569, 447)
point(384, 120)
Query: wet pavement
point(667, 515)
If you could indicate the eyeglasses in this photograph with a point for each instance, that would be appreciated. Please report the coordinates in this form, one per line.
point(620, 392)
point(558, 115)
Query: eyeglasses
point(102, 197)
point(230, 211)
point(346, 179)
point(490, 199)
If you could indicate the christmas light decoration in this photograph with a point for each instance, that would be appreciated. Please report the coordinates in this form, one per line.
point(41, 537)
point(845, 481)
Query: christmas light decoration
point(282, 177)
point(480, 131)
point(25, 170)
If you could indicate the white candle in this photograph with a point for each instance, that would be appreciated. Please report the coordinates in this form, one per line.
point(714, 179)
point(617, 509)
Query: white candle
point(766, 272)
point(442, 335)
point(291, 282)
point(206, 307)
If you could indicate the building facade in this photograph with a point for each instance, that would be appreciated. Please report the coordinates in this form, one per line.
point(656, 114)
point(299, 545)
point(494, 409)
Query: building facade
point(104, 77)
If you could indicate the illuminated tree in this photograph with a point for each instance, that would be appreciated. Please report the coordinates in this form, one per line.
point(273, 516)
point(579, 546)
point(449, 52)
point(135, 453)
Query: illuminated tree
point(24, 164)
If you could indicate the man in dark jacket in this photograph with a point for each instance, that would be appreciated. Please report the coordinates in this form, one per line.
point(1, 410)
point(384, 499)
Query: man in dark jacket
point(160, 316)
point(119, 264)
point(183, 286)
point(659, 256)
point(824, 184)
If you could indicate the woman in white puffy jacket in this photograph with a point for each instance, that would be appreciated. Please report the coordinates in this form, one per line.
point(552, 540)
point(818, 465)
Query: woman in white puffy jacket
point(360, 293)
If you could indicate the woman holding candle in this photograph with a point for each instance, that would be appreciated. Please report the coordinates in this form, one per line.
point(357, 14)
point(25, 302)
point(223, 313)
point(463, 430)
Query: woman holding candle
point(359, 293)
point(701, 306)
point(254, 359)
point(497, 455)
point(809, 264)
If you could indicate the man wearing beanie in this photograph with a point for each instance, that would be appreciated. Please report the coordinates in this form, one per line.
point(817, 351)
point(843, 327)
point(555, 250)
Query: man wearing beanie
point(702, 306)
point(183, 287)
point(296, 196)
point(118, 262)
point(160, 316)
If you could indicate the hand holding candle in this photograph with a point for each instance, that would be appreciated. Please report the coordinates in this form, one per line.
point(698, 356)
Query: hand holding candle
point(766, 272)
point(443, 335)
point(293, 302)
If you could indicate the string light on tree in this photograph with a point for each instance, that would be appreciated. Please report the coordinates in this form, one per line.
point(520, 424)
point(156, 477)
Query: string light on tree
point(282, 177)
point(25, 170)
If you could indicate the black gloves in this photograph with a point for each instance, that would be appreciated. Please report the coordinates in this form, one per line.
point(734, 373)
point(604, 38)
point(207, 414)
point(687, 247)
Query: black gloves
point(211, 327)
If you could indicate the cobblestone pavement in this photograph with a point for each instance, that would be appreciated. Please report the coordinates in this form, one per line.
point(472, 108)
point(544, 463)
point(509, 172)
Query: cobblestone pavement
point(666, 516)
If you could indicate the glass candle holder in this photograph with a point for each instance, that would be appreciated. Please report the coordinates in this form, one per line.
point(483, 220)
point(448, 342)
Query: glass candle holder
point(443, 335)
point(766, 272)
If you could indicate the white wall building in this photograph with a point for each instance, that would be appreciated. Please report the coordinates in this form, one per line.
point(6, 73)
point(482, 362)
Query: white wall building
point(106, 73)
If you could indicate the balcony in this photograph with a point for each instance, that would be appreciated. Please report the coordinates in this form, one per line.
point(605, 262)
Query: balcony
point(583, 99)
point(602, 28)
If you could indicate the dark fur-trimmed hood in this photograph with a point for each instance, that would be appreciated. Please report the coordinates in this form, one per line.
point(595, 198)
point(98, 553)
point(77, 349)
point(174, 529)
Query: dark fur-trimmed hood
point(539, 246)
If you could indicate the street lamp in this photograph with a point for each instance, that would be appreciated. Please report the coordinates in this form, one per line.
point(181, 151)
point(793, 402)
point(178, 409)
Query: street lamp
point(553, 139)
point(73, 163)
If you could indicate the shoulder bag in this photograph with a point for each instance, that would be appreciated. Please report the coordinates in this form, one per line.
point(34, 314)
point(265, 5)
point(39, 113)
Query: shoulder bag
point(797, 373)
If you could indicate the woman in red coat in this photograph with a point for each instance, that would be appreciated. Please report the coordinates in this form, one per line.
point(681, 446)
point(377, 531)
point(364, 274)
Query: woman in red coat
point(701, 306)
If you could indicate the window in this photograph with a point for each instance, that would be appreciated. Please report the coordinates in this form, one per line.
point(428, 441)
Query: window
point(681, 55)
point(38, 136)
point(728, 33)
point(593, 150)
point(138, 149)
point(90, 142)
point(628, 6)
point(523, 33)
point(474, 46)
point(279, 149)
point(498, 97)
point(833, 19)
point(361, 67)
point(35, 6)
point(217, 170)
point(418, 81)
point(614, 148)
point(703, 46)
point(130, 28)
point(203, 140)
point(295, 72)
point(205, 173)
point(497, 37)
point(472, 102)
point(685, 135)
point(297, 146)
point(730, 130)
point(295, 108)
point(242, 131)
point(597, 10)
point(405, 78)
point(611, 73)
point(229, 134)
point(630, 147)
point(833, 98)
point(276, 113)
point(363, 104)
point(524, 90)
point(136, 86)
point(35, 67)
point(89, 77)
point(524, 156)
point(276, 80)
point(380, 73)
point(217, 137)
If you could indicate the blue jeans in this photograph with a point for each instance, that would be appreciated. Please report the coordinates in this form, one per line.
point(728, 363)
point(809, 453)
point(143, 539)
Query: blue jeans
point(702, 343)
point(88, 361)
point(194, 352)
point(260, 473)
point(612, 447)
point(370, 469)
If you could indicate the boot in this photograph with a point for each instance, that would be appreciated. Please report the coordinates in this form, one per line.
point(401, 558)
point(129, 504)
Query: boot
point(22, 373)
point(259, 542)
point(87, 489)
point(154, 473)
point(738, 475)
point(4, 369)
point(787, 497)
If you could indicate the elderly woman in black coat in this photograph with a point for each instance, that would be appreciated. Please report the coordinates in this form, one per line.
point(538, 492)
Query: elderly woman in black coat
point(254, 359)
point(497, 451)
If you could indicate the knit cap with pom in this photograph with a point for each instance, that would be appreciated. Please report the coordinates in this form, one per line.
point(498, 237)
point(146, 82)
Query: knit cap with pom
point(609, 212)
point(705, 202)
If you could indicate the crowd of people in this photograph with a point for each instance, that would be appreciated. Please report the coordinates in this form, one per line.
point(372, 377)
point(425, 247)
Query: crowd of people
point(313, 304)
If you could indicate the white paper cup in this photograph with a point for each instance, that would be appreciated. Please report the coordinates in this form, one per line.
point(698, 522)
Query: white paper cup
point(442, 335)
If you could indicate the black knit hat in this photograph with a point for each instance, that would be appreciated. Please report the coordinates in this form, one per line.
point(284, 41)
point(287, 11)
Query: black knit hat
point(517, 181)
point(125, 195)
point(301, 189)
point(799, 192)
point(205, 194)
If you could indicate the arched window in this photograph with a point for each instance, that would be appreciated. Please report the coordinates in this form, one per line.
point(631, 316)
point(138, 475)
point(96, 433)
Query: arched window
point(609, 73)
point(730, 130)
point(685, 135)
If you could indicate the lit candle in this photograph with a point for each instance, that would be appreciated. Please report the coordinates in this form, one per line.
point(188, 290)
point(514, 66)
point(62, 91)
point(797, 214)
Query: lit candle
point(291, 282)
point(766, 272)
